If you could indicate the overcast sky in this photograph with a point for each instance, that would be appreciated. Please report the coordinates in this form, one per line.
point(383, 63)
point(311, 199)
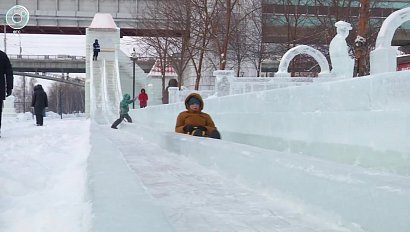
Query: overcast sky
point(51, 44)
point(34, 44)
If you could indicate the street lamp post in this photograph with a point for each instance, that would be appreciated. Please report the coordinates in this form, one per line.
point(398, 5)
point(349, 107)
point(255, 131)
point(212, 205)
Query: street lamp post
point(5, 40)
point(133, 58)
point(19, 35)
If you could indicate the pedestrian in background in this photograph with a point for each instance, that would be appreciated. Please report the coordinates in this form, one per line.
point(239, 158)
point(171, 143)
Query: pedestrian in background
point(96, 49)
point(6, 80)
point(40, 103)
point(143, 98)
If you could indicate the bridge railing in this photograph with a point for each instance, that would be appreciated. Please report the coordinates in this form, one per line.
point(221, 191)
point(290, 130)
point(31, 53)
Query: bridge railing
point(46, 57)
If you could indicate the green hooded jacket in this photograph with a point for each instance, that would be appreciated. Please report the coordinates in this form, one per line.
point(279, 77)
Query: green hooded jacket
point(126, 100)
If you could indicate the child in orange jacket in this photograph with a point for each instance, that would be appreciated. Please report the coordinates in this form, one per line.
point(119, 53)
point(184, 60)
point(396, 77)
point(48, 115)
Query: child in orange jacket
point(195, 122)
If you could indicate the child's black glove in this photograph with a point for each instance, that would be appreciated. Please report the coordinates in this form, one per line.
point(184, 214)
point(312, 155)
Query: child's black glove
point(188, 128)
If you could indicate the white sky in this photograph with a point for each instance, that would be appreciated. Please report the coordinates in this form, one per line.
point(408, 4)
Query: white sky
point(33, 44)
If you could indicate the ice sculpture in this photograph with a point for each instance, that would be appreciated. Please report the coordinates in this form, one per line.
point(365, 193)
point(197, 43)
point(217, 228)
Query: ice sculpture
point(384, 53)
point(9, 109)
point(302, 49)
point(342, 63)
point(222, 85)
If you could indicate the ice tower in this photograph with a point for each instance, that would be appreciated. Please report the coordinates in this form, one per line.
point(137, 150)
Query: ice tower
point(102, 87)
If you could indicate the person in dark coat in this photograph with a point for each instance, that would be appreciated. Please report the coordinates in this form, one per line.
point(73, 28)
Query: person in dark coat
point(143, 98)
point(39, 102)
point(124, 108)
point(96, 49)
point(6, 80)
point(195, 122)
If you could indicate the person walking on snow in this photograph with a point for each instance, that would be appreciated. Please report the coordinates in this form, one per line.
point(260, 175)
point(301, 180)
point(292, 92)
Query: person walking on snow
point(6, 80)
point(143, 98)
point(96, 49)
point(195, 122)
point(39, 102)
point(124, 108)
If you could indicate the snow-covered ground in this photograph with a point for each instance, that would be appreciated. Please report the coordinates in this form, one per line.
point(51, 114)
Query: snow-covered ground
point(43, 175)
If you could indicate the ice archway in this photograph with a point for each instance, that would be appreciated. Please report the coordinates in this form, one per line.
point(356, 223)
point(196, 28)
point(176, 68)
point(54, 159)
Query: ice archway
point(384, 53)
point(302, 49)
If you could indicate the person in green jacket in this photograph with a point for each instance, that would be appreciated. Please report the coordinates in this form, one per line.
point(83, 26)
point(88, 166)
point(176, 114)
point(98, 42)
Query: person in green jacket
point(124, 108)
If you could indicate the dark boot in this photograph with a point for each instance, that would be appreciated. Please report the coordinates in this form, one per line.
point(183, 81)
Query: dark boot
point(116, 123)
point(215, 134)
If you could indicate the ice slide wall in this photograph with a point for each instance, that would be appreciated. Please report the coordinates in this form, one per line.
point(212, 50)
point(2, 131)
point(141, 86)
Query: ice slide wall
point(358, 128)
point(105, 91)
point(363, 121)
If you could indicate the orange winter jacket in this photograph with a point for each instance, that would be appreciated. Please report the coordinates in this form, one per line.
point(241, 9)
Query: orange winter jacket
point(194, 118)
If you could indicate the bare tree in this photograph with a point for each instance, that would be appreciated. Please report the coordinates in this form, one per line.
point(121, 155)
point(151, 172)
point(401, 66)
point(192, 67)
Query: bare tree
point(24, 94)
point(360, 42)
point(66, 98)
point(221, 28)
point(253, 45)
point(204, 13)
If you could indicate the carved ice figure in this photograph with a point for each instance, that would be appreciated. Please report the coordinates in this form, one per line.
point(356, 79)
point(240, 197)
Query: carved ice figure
point(223, 82)
point(342, 63)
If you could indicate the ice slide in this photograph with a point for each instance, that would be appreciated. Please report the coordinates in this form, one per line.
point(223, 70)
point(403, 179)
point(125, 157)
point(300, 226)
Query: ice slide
point(105, 90)
point(339, 148)
point(341, 163)
point(181, 183)
point(140, 185)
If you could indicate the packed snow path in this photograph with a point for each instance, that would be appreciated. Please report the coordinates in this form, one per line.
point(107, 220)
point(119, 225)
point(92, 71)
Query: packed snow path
point(195, 198)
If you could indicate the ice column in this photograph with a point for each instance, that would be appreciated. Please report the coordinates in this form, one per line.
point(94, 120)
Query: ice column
point(9, 110)
point(173, 94)
point(383, 58)
point(102, 86)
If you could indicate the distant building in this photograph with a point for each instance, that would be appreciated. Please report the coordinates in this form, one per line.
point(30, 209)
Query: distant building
point(310, 22)
point(154, 82)
point(312, 14)
point(403, 62)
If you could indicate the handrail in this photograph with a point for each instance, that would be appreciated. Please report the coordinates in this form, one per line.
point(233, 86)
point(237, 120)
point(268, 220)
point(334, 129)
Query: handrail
point(75, 81)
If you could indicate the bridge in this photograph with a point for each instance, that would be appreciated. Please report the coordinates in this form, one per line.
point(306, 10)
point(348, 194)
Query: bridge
point(72, 17)
point(40, 66)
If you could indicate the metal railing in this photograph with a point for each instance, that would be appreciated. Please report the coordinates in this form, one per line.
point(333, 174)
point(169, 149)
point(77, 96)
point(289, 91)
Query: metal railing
point(46, 57)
